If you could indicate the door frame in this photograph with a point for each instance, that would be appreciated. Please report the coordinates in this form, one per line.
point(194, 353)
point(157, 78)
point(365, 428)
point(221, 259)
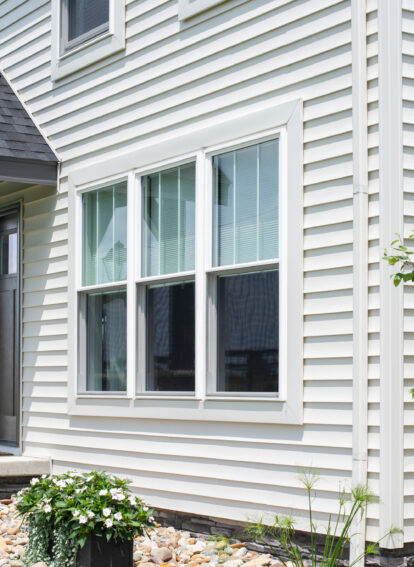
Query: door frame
point(15, 448)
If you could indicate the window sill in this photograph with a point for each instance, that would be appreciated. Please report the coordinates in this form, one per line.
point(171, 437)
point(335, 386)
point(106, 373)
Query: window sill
point(251, 410)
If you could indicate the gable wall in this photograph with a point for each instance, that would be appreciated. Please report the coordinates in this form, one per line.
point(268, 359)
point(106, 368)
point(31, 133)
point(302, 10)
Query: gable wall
point(168, 80)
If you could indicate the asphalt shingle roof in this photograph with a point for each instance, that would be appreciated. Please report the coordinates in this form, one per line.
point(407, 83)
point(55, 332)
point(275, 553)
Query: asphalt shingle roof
point(19, 136)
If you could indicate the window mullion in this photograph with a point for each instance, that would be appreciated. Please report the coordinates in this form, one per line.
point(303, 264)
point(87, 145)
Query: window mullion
point(202, 242)
point(257, 202)
point(159, 224)
point(132, 228)
point(234, 208)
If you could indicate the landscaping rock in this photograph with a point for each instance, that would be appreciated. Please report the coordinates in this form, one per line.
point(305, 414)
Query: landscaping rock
point(162, 553)
point(164, 546)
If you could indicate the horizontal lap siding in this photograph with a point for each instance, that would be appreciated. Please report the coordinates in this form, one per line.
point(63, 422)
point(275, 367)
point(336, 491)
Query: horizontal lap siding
point(44, 296)
point(408, 180)
point(169, 81)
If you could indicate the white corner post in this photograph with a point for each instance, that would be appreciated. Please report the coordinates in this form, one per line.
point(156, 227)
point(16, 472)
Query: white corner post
point(360, 261)
point(391, 298)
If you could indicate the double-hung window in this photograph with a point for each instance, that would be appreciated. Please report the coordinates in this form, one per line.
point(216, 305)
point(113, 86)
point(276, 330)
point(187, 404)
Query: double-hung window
point(188, 305)
point(166, 290)
point(103, 297)
point(244, 278)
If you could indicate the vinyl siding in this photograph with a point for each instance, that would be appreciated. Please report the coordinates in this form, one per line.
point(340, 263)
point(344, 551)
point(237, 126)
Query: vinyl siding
point(408, 185)
point(169, 80)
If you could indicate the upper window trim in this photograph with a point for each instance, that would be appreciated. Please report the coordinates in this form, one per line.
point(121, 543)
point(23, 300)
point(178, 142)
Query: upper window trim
point(248, 128)
point(83, 51)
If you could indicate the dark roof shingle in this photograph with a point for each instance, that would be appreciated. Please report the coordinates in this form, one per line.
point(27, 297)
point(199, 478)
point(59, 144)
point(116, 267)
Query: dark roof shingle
point(19, 136)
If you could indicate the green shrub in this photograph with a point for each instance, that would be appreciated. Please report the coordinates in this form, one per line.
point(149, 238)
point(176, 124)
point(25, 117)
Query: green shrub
point(61, 511)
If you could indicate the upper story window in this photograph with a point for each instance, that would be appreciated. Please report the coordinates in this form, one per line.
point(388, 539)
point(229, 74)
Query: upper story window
point(84, 32)
point(83, 20)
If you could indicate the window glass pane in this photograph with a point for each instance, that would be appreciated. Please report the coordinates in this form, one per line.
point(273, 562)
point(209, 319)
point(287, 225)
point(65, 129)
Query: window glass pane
point(8, 254)
point(106, 342)
point(168, 221)
point(248, 332)
point(246, 225)
point(105, 235)
point(86, 15)
point(170, 337)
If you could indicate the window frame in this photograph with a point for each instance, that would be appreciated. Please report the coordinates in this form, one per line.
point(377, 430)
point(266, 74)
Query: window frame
point(203, 404)
point(142, 282)
point(84, 290)
point(68, 44)
point(69, 56)
point(214, 272)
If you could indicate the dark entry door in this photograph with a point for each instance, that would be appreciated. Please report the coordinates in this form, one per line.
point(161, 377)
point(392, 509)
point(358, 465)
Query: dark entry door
point(9, 325)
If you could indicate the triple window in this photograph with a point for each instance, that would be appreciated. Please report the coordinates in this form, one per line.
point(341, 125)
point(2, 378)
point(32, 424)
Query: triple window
point(205, 290)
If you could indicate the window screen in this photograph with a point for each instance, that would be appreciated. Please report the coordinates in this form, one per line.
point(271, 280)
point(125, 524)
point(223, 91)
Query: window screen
point(248, 332)
point(84, 16)
point(106, 341)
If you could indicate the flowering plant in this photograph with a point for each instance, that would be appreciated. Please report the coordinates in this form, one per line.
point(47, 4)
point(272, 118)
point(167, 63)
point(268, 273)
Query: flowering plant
point(69, 507)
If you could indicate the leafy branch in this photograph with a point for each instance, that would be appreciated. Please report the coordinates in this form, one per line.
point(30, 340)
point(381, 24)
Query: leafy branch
point(351, 508)
point(401, 255)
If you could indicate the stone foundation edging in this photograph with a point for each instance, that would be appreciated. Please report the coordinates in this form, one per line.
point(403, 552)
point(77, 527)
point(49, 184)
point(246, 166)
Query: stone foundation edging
point(234, 531)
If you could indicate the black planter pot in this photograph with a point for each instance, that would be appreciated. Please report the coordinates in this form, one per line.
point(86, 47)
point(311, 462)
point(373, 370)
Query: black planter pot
point(97, 552)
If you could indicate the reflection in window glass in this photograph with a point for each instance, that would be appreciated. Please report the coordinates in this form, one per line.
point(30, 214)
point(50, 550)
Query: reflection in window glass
point(105, 235)
point(170, 337)
point(169, 221)
point(106, 341)
point(246, 223)
point(86, 15)
point(248, 332)
point(8, 254)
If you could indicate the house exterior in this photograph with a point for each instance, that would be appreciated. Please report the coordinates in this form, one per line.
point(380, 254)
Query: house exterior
point(203, 306)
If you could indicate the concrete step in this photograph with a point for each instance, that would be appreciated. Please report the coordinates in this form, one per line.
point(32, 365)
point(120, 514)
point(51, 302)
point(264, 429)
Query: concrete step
point(16, 472)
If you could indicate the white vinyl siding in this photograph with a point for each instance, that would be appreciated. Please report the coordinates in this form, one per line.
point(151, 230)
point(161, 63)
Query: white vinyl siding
point(168, 82)
point(408, 186)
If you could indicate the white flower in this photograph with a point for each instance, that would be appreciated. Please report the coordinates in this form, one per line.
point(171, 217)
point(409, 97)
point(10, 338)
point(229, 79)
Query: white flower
point(106, 512)
point(44, 475)
point(76, 513)
point(61, 484)
point(69, 481)
point(103, 492)
point(47, 508)
point(146, 508)
point(77, 490)
point(90, 514)
point(108, 523)
point(151, 519)
point(118, 496)
point(83, 519)
point(118, 516)
point(34, 481)
point(114, 490)
point(89, 478)
point(132, 500)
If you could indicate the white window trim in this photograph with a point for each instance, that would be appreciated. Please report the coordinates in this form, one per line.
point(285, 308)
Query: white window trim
point(284, 120)
point(98, 47)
